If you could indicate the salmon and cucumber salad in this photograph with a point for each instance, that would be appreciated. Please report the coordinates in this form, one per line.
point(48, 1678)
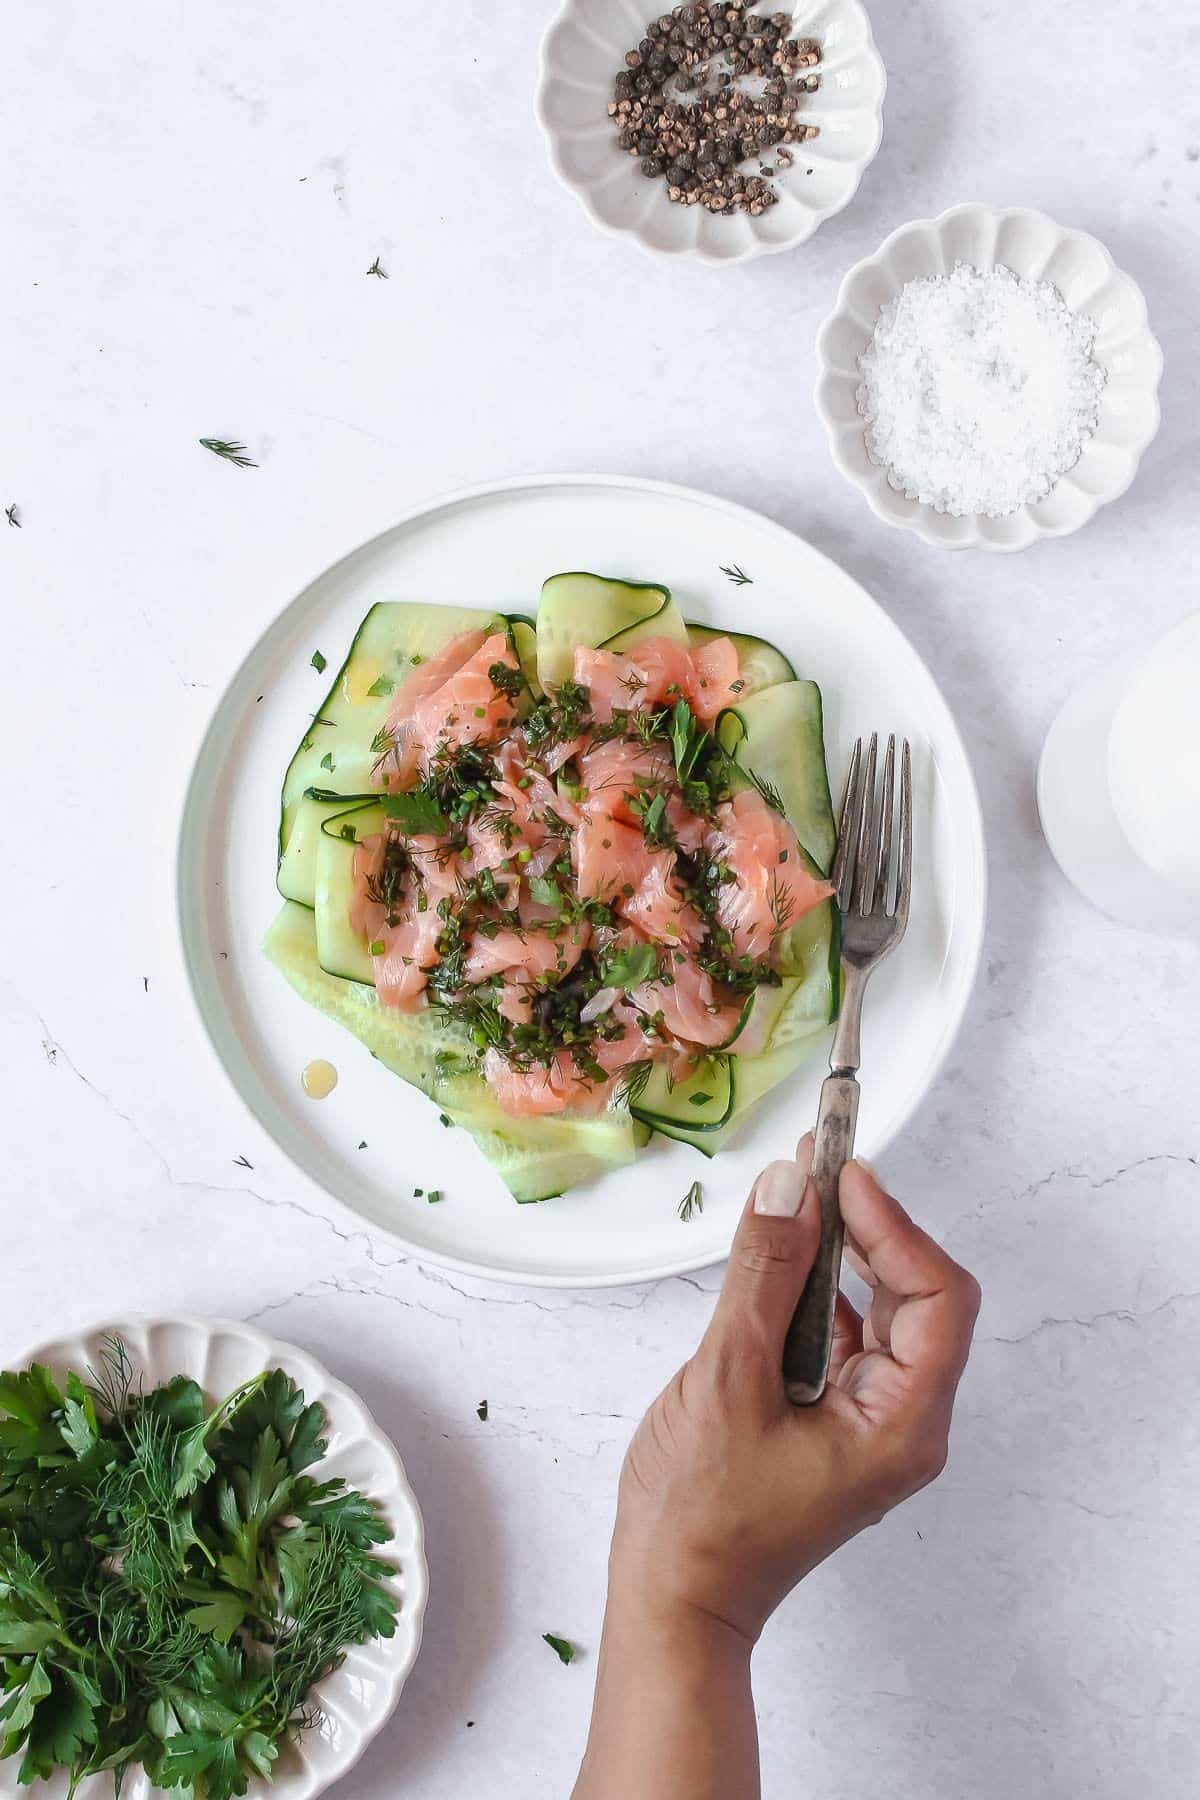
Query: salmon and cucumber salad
point(567, 876)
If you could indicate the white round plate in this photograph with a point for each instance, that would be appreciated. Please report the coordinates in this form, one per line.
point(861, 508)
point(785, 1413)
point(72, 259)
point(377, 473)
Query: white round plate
point(492, 547)
point(358, 1698)
point(1089, 281)
point(583, 51)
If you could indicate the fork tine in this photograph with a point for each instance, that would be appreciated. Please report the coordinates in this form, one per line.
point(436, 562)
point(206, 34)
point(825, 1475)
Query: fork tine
point(884, 860)
point(843, 863)
point(904, 876)
point(864, 872)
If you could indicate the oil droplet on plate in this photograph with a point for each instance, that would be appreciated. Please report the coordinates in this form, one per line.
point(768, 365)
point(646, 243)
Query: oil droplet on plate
point(319, 1078)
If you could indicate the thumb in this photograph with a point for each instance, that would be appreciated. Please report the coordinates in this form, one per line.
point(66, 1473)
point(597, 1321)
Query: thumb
point(772, 1253)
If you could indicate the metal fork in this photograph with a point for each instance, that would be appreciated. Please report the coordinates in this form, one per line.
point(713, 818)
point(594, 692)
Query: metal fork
point(872, 878)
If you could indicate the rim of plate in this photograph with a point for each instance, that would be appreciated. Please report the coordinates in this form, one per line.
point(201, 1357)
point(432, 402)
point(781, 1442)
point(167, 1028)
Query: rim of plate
point(932, 527)
point(486, 490)
point(403, 1508)
point(696, 252)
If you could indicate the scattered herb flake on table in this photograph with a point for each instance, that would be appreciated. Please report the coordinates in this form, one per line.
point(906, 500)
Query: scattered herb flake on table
point(172, 1581)
point(564, 1651)
point(318, 662)
point(10, 513)
point(738, 576)
point(482, 1410)
point(232, 452)
point(377, 268)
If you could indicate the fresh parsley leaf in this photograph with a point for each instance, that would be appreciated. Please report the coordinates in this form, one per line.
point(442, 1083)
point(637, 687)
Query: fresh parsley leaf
point(544, 891)
point(382, 684)
point(699, 1099)
point(631, 967)
point(220, 1616)
point(318, 662)
point(564, 1651)
point(417, 814)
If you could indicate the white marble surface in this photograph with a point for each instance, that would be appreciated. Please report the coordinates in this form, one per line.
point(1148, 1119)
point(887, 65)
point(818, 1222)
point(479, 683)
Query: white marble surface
point(194, 195)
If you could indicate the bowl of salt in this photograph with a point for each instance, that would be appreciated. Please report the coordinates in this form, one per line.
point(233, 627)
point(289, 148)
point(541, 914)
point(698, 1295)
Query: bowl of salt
point(988, 378)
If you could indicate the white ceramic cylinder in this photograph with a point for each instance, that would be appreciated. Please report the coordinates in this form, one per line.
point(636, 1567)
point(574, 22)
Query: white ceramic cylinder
point(1119, 786)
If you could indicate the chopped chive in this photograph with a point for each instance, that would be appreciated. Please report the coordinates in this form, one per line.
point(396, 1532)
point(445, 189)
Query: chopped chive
point(418, 1193)
point(377, 947)
point(433, 1196)
point(444, 1120)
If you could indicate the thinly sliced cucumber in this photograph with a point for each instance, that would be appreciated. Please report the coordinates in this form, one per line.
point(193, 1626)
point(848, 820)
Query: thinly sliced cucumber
point(347, 770)
point(781, 740)
point(667, 622)
point(758, 1019)
point(578, 608)
point(811, 950)
point(522, 635)
point(760, 665)
point(535, 1158)
point(439, 1061)
point(341, 950)
point(701, 1103)
point(335, 753)
point(296, 879)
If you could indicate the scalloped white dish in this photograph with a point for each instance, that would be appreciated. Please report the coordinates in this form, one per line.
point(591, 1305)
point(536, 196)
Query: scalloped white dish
point(358, 1698)
point(582, 52)
point(1033, 246)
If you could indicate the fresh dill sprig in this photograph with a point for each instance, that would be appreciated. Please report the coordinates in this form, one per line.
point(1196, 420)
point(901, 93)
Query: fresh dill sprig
point(692, 1202)
point(768, 790)
point(738, 576)
point(10, 513)
point(232, 452)
point(377, 268)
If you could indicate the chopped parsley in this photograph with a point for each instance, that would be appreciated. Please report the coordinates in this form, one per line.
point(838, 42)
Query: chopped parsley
point(417, 814)
point(564, 1651)
point(318, 662)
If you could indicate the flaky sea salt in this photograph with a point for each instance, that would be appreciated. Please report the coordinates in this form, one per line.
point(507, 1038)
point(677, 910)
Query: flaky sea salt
point(979, 390)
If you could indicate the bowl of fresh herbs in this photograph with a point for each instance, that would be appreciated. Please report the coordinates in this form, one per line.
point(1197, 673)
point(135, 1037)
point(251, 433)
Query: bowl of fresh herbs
point(211, 1566)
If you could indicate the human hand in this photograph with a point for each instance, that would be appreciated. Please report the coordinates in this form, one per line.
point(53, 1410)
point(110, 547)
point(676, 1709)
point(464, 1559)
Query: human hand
point(730, 1494)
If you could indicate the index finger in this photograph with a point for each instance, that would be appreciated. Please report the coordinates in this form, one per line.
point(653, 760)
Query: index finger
point(931, 1327)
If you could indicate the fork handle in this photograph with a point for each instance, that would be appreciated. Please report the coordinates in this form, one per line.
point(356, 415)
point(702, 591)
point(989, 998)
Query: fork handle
point(810, 1335)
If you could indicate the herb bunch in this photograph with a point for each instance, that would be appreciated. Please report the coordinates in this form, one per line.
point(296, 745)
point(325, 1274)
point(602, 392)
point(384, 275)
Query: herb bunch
point(172, 1581)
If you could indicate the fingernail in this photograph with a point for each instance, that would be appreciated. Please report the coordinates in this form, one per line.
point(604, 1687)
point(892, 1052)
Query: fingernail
point(779, 1190)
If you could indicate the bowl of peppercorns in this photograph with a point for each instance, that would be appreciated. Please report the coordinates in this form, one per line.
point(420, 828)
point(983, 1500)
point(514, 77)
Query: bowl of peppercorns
point(715, 131)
